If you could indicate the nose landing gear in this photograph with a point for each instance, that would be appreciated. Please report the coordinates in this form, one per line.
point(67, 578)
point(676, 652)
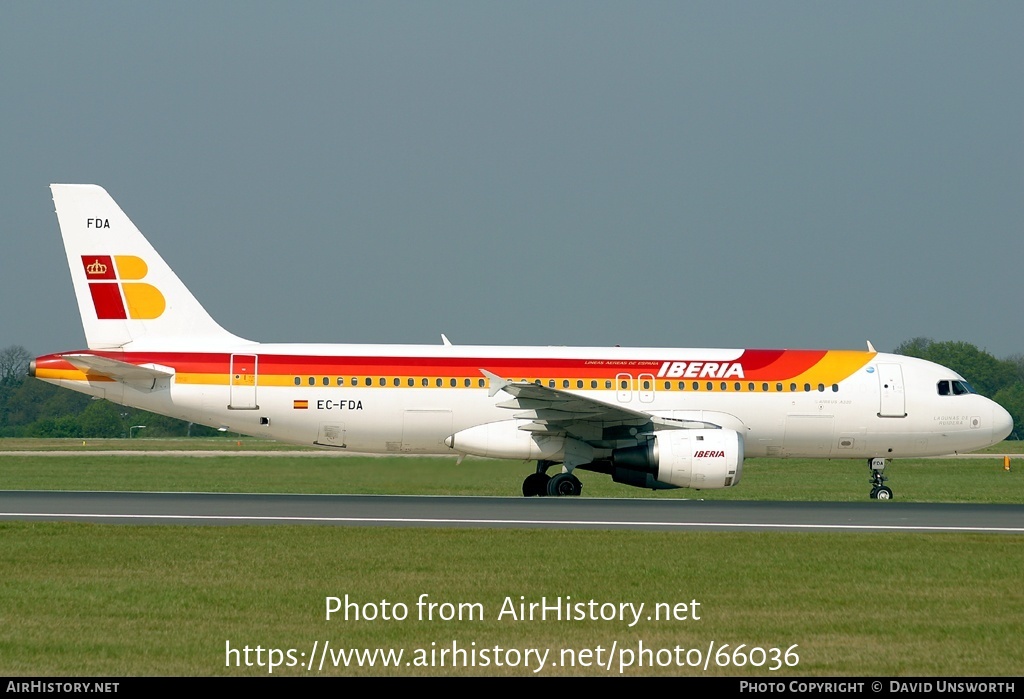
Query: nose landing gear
point(879, 491)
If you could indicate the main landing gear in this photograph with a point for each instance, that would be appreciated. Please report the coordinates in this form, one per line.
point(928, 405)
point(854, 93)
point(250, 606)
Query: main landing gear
point(541, 484)
point(878, 490)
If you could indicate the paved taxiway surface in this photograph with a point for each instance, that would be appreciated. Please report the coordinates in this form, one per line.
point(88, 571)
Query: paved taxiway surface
point(552, 513)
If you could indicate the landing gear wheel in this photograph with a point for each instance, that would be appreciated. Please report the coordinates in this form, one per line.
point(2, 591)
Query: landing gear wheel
point(878, 490)
point(564, 484)
point(536, 484)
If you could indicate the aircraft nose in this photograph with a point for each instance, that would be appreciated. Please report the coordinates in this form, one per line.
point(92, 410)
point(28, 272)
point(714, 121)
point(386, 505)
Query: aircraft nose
point(1002, 423)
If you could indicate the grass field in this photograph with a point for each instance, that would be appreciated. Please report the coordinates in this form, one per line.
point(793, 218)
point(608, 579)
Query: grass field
point(913, 480)
point(79, 599)
point(225, 443)
point(1014, 446)
point(107, 600)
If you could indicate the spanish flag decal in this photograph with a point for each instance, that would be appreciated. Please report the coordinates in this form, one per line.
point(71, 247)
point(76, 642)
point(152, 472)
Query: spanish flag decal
point(300, 405)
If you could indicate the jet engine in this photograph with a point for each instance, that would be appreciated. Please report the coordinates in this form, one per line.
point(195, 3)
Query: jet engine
point(682, 459)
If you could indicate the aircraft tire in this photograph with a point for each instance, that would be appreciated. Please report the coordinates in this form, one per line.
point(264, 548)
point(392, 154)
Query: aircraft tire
point(536, 484)
point(564, 484)
point(874, 493)
point(884, 493)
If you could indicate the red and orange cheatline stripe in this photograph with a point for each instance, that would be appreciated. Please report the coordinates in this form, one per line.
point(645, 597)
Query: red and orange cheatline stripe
point(789, 367)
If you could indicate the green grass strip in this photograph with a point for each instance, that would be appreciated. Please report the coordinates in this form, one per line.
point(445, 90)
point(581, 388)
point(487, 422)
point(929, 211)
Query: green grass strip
point(125, 600)
point(913, 480)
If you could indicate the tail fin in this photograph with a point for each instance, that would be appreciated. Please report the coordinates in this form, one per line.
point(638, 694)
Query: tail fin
point(126, 292)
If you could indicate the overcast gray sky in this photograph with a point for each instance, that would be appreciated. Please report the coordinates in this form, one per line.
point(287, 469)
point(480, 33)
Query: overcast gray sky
point(735, 174)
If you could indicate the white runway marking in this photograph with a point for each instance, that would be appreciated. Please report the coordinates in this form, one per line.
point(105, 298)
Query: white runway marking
point(510, 522)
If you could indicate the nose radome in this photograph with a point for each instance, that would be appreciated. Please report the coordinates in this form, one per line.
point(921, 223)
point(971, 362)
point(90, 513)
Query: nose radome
point(1002, 423)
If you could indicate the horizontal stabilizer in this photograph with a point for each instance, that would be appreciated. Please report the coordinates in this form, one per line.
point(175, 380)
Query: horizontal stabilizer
point(114, 369)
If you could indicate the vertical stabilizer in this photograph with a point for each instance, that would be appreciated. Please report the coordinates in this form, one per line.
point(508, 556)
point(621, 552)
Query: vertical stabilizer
point(126, 292)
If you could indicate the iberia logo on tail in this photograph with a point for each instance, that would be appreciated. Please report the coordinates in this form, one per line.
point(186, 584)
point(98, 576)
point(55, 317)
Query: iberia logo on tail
point(117, 293)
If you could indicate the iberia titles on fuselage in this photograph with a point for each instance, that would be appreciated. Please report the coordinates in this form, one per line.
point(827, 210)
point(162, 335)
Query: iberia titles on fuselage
point(648, 417)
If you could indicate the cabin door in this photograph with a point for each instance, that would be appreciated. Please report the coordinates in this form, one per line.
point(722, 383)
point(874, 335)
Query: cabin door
point(890, 385)
point(243, 380)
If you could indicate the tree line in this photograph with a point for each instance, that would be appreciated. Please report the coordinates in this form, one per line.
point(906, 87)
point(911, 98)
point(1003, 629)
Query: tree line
point(33, 408)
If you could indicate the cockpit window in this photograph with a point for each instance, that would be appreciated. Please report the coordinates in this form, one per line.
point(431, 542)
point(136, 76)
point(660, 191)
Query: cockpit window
point(951, 387)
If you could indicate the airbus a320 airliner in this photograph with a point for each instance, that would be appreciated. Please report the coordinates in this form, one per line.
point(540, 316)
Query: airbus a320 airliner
point(651, 418)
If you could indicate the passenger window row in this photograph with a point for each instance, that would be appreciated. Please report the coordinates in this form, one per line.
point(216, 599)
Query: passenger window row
point(594, 384)
point(409, 382)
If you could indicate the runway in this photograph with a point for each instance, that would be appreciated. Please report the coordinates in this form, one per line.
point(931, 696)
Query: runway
point(547, 513)
point(317, 453)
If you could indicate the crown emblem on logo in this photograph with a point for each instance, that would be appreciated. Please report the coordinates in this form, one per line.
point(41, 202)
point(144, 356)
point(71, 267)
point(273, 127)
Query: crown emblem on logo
point(96, 267)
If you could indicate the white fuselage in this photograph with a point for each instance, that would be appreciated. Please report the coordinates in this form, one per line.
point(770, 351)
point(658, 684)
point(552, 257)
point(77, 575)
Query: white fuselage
point(889, 406)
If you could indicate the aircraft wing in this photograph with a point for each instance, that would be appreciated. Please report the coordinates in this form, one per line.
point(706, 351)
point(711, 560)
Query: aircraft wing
point(554, 412)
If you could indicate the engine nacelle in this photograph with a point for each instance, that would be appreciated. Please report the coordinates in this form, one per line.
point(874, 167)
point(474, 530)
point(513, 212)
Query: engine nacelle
point(504, 440)
point(702, 459)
